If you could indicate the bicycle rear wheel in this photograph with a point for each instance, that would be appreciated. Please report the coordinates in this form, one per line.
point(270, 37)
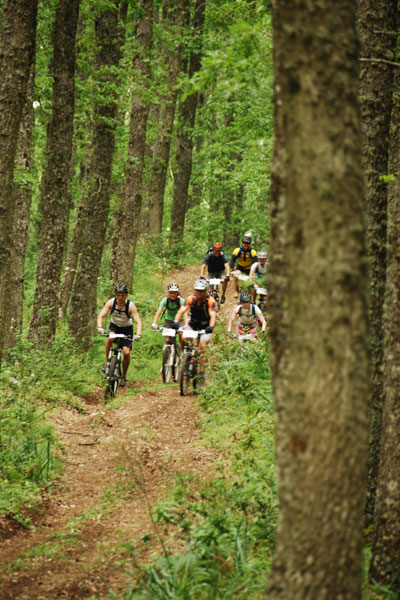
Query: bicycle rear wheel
point(166, 364)
point(186, 374)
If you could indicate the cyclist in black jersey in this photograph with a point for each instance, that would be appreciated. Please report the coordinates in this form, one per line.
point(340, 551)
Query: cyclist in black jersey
point(218, 267)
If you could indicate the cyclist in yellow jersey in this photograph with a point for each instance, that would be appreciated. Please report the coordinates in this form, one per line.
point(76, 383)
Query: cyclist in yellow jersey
point(244, 257)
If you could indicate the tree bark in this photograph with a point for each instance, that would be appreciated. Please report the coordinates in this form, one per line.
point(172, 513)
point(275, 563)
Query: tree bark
point(17, 51)
point(174, 18)
point(374, 18)
point(385, 563)
point(83, 299)
point(22, 190)
point(56, 192)
point(184, 137)
point(129, 223)
point(320, 393)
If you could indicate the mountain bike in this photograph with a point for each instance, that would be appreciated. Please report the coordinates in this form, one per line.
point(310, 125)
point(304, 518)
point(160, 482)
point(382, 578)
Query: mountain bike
point(171, 355)
point(190, 361)
point(113, 370)
point(213, 286)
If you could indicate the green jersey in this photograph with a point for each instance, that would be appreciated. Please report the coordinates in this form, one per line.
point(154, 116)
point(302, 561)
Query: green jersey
point(171, 307)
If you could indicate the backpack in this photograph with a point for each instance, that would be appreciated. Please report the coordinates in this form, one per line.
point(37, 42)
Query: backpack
point(127, 306)
point(178, 298)
point(253, 310)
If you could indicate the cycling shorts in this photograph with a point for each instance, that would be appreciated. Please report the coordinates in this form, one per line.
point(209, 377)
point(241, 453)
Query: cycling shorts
point(220, 275)
point(168, 323)
point(245, 270)
point(125, 330)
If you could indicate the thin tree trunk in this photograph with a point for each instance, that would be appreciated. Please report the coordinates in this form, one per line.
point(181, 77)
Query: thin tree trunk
point(184, 152)
point(321, 373)
point(83, 299)
point(22, 191)
point(129, 223)
point(374, 18)
point(56, 192)
point(174, 18)
point(17, 51)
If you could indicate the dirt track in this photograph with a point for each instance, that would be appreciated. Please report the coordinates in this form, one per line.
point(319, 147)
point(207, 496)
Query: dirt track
point(118, 462)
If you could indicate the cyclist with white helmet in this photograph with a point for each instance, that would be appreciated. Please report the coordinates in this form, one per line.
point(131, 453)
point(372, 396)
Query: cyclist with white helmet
point(248, 316)
point(169, 306)
point(123, 313)
point(202, 310)
point(258, 273)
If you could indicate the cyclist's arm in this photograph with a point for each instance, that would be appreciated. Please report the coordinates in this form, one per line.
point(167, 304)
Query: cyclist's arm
point(158, 313)
point(182, 311)
point(104, 311)
point(233, 260)
point(203, 270)
point(135, 316)
point(254, 257)
point(231, 320)
point(261, 318)
point(252, 271)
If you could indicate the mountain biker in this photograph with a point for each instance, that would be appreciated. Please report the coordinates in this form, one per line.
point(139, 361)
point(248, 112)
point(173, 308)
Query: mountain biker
point(258, 273)
point(248, 315)
point(203, 315)
point(244, 256)
point(169, 306)
point(122, 312)
point(218, 266)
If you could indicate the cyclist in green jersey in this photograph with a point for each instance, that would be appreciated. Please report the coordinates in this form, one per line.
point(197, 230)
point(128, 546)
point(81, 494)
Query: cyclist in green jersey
point(169, 306)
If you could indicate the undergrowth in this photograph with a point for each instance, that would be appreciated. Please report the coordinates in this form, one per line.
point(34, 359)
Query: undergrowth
point(227, 523)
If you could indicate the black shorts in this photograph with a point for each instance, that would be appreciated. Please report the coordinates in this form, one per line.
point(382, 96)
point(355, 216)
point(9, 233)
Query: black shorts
point(220, 275)
point(245, 270)
point(196, 326)
point(126, 331)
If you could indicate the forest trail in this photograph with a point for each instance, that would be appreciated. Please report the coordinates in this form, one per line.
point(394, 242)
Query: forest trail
point(118, 463)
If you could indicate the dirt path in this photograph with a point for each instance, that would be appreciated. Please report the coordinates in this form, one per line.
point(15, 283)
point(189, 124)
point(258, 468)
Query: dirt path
point(118, 462)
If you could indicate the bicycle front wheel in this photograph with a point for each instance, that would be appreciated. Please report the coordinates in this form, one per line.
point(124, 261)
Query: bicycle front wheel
point(186, 374)
point(177, 364)
point(112, 383)
point(166, 364)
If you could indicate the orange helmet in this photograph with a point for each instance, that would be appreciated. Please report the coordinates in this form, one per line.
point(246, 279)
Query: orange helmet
point(217, 246)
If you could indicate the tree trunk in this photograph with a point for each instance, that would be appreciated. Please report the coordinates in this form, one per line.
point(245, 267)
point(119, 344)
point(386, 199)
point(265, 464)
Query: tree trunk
point(17, 51)
point(186, 120)
point(22, 190)
point(83, 300)
point(56, 192)
point(374, 18)
point(129, 223)
point(174, 18)
point(320, 395)
point(385, 563)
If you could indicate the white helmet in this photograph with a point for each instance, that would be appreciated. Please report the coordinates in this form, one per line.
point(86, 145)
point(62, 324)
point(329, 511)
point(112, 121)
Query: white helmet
point(173, 287)
point(200, 284)
point(262, 254)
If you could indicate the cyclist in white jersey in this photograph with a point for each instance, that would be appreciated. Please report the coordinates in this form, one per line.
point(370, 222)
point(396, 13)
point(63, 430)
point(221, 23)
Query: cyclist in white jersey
point(123, 311)
point(248, 317)
point(258, 273)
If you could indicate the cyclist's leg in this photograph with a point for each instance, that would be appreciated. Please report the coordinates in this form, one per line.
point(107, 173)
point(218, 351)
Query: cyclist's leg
point(126, 360)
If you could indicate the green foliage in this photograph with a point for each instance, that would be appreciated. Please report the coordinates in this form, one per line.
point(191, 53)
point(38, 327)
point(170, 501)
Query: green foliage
point(228, 523)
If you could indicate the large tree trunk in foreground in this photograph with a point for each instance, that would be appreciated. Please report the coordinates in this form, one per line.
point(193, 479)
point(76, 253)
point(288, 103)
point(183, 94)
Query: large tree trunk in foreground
point(321, 389)
point(56, 193)
point(17, 51)
point(84, 296)
point(375, 17)
point(129, 222)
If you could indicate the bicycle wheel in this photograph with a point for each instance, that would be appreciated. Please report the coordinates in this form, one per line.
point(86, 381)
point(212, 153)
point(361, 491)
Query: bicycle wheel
point(186, 373)
point(113, 378)
point(166, 364)
point(177, 363)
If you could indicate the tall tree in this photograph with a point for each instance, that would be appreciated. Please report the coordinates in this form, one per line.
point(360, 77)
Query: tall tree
point(56, 193)
point(174, 17)
point(385, 563)
point(320, 394)
point(184, 136)
point(129, 222)
point(17, 51)
point(84, 296)
point(376, 23)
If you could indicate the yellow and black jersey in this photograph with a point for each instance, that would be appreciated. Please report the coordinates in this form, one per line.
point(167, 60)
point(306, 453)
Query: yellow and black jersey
point(243, 258)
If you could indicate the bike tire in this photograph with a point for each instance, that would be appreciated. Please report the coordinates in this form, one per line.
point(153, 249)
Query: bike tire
point(185, 376)
point(114, 376)
point(166, 367)
point(177, 364)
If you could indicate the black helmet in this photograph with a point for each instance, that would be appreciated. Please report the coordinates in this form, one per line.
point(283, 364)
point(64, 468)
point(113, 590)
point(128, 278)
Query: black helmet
point(246, 239)
point(121, 288)
point(244, 297)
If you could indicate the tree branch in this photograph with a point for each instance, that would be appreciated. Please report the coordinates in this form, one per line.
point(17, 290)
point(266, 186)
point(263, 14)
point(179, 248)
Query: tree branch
point(380, 60)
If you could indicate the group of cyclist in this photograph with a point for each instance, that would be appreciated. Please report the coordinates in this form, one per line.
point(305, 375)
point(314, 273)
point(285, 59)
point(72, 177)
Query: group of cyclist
point(199, 310)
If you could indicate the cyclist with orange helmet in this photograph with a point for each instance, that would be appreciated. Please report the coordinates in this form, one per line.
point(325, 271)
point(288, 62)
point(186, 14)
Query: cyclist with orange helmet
point(218, 267)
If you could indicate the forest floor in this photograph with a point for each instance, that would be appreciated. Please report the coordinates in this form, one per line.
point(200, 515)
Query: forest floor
point(119, 464)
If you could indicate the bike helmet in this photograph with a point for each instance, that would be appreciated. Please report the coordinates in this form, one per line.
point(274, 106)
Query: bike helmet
point(244, 297)
point(246, 239)
point(173, 287)
point(121, 289)
point(262, 254)
point(200, 285)
point(217, 246)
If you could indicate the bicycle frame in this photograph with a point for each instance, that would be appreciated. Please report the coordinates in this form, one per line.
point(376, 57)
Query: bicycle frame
point(113, 365)
point(213, 286)
point(171, 355)
point(190, 359)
